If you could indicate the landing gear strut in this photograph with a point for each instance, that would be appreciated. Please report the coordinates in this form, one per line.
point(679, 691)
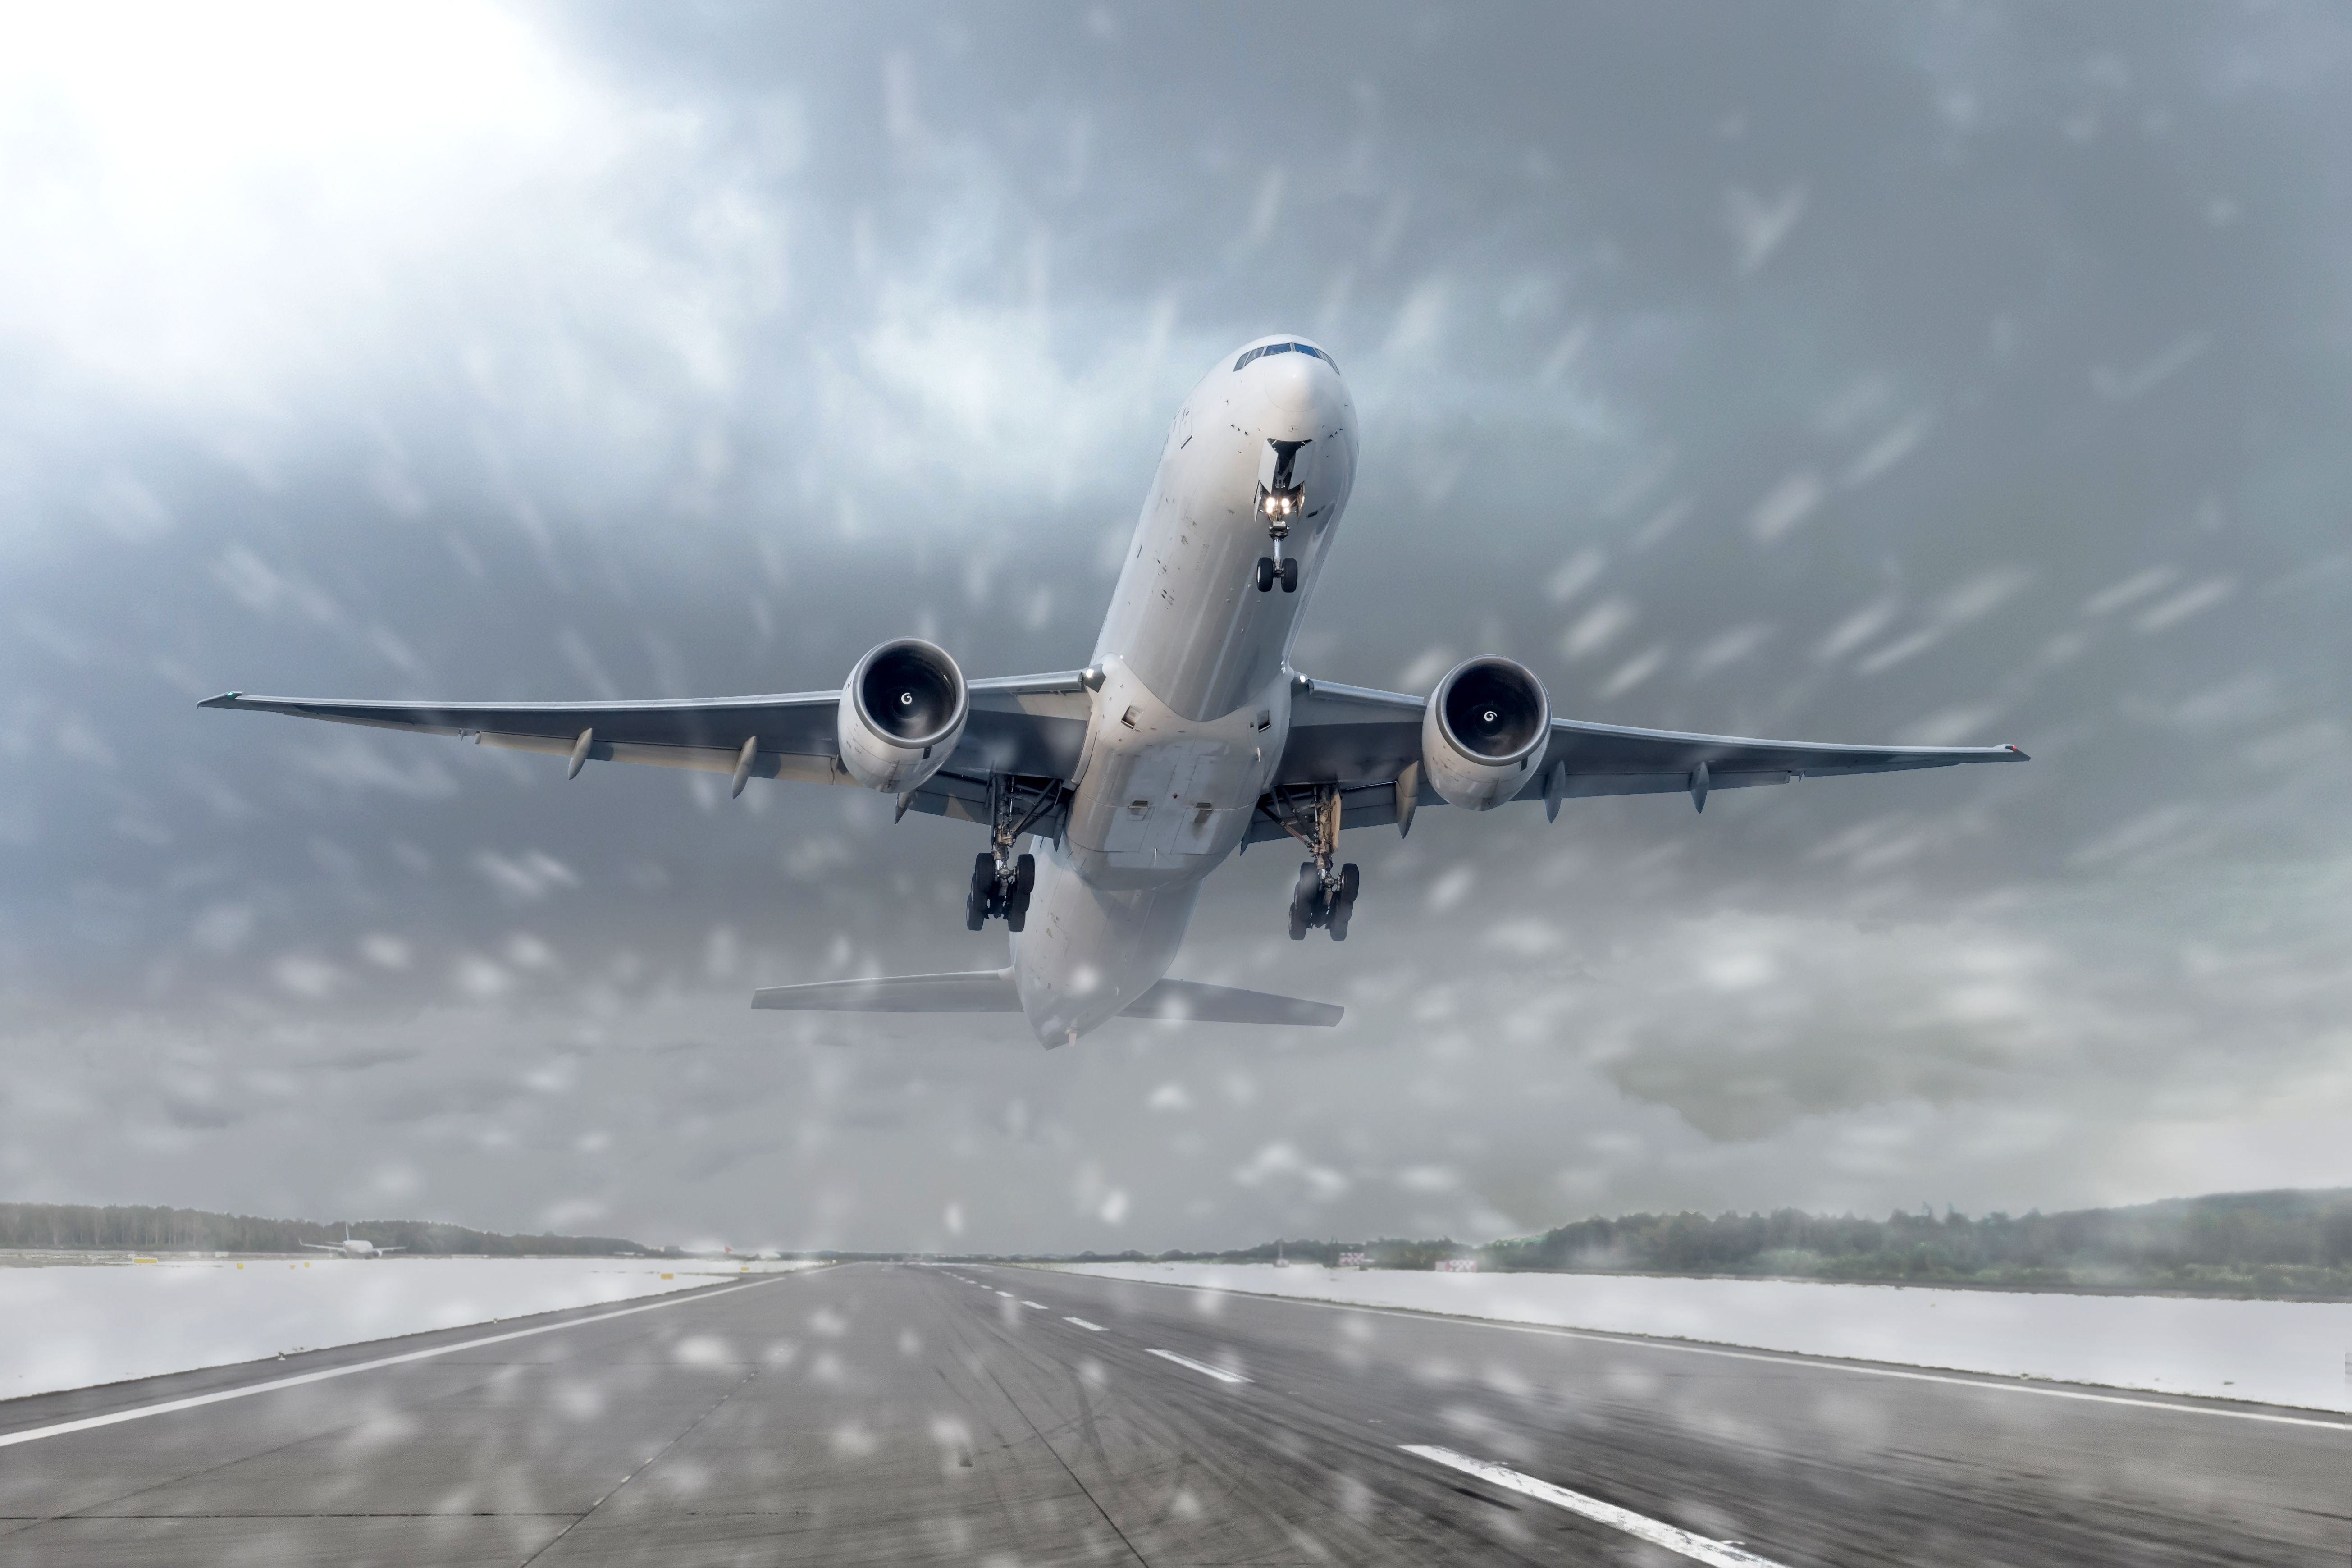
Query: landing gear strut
point(1325, 896)
point(1002, 881)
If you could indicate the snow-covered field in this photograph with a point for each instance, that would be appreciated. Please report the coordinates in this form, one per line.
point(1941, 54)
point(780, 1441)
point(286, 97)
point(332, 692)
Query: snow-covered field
point(2276, 1352)
point(72, 1326)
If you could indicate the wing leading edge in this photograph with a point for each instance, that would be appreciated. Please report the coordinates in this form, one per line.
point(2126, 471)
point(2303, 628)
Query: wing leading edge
point(1364, 742)
point(1031, 725)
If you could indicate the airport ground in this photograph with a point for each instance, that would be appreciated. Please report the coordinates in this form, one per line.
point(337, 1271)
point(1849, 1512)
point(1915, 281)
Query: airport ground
point(902, 1414)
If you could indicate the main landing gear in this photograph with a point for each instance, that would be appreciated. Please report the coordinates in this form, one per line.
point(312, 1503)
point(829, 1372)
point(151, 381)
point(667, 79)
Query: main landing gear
point(1000, 891)
point(1322, 900)
point(1324, 896)
point(1002, 881)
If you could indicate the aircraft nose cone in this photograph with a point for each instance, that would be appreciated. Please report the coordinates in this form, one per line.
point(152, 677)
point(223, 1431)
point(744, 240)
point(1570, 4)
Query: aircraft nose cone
point(1296, 393)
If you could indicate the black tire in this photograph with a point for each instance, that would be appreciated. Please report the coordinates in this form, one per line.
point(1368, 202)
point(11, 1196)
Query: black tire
point(1016, 914)
point(1302, 900)
point(1290, 574)
point(1343, 901)
point(1264, 572)
point(984, 884)
point(1024, 877)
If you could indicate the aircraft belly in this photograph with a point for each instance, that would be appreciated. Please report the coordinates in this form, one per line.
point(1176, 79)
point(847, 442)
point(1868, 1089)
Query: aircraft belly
point(1178, 800)
point(1162, 798)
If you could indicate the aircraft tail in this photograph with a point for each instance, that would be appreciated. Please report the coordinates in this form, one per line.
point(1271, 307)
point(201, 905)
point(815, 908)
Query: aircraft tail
point(993, 991)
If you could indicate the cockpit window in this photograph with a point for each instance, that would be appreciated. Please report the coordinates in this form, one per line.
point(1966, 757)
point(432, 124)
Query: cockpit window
point(1284, 348)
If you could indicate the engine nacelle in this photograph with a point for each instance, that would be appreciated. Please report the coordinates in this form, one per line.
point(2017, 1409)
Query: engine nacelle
point(902, 712)
point(1484, 733)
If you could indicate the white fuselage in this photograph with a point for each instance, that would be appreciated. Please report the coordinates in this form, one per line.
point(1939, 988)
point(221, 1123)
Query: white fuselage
point(1193, 708)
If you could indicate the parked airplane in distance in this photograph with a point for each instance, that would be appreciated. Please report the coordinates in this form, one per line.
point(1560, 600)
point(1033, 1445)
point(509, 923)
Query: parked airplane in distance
point(353, 1247)
point(1186, 738)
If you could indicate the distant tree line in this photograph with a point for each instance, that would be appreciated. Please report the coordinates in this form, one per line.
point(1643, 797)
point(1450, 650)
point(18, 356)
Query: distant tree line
point(2237, 1233)
point(82, 1226)
point(2278, 1243)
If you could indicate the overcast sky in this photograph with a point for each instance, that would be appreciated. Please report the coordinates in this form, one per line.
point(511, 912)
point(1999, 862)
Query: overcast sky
point(1959, 374)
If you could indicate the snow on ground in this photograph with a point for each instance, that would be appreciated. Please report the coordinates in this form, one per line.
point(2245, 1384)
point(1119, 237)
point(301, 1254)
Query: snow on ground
point(2275, 1352)
point(72, 1326)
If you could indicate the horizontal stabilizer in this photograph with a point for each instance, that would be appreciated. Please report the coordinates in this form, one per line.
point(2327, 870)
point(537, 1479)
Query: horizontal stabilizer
point(972, 990)
point(1206, 1004)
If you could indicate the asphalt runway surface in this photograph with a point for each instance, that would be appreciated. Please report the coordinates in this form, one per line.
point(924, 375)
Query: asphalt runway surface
point(901, 1414)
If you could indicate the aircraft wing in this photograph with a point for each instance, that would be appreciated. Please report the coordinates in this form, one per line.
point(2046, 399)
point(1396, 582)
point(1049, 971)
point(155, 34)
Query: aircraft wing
point(1033, 726)
point(1363, 741)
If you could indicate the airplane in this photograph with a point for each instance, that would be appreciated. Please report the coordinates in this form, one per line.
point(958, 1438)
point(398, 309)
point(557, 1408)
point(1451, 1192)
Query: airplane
point(1109, 793)
point(353, 1247)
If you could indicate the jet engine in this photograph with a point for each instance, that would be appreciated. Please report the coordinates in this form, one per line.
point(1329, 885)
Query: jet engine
point(901, 713)
point(1484, 733)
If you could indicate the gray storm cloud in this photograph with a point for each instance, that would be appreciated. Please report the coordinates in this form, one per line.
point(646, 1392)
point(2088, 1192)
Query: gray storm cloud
point(1954, 377)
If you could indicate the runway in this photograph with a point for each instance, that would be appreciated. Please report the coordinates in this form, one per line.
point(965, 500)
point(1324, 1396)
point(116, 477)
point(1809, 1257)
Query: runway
point(899, 1413)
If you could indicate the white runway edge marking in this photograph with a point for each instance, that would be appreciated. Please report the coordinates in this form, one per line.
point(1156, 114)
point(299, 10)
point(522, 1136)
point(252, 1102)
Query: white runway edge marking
point(1987, 1383)
point(1720, 1554)
point(139, 1412)
point(1090, 1328)
point(1203, 1368)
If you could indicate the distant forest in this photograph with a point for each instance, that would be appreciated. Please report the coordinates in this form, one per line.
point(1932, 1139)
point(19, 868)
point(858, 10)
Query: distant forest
point(80, 1226)
point(2292, 1244)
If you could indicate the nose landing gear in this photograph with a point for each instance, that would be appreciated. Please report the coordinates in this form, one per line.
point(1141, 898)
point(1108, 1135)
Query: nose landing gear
point(1281, 569)
point(1281, 499)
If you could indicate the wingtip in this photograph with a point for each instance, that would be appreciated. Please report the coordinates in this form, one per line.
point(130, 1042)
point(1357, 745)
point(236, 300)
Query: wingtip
point(2019, 752)
point(225, 699)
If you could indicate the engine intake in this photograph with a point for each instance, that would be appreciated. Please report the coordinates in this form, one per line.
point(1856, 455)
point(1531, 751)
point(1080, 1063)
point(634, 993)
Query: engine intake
point(1483, 732)
point(902, 712)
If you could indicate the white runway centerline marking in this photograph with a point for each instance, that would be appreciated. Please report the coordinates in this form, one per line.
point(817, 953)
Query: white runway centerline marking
point(1719, 1553)
point(137, 1413)
point(1090, 1328)
point(1006, 1294)
point(1203, 1368)
point(1039, 1305)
